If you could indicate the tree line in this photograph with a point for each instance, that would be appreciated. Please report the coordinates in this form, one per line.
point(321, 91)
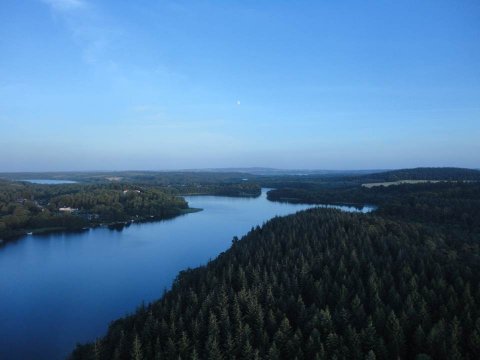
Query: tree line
point(26, 207)
point(322, 284)
point(29, 207)
point(444, 203)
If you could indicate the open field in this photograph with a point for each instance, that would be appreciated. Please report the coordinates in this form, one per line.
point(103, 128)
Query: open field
point(399, 182)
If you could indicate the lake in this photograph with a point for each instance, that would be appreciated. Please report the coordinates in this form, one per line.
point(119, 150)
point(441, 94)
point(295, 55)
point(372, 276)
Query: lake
point(48, 181)
point(60, 289)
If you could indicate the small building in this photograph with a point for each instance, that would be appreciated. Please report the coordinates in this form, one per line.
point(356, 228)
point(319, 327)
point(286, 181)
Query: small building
point(67, 209)
point(135, 191)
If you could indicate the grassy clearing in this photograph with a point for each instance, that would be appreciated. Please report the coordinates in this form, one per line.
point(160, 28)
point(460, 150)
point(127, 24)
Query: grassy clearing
point(399, 182)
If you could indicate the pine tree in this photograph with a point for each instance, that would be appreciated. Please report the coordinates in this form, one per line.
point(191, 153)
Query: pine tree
point(273, 352)
point(247, 351)
point(394, 336)
point(183, 346)
point(419, 340)
point(474, 340)
point(97, 350)
point(136, 352)
point(213, 350)
point(453, 340)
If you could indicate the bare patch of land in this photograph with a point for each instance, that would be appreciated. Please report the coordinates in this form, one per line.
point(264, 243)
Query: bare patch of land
point(399, 182)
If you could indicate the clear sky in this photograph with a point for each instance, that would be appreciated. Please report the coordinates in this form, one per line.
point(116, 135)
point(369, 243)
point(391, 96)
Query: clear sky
point(112, 85)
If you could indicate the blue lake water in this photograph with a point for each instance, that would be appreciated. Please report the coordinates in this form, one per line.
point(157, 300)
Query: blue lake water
point(48, 181)
point(60, 289)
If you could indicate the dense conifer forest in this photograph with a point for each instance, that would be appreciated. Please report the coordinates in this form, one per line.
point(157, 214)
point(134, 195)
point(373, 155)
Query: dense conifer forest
point(445, 203)
point(402, 282)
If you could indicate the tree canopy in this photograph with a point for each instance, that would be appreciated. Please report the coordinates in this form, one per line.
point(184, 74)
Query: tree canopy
point(322, 284)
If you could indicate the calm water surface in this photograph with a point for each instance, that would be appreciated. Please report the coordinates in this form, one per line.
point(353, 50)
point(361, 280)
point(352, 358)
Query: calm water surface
point(60, 289)
point(49, 182)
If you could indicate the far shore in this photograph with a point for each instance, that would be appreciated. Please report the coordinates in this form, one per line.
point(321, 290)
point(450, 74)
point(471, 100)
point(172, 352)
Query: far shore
point(113, 225)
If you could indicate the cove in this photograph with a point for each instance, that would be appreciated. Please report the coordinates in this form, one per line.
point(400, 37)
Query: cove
point(63, 288)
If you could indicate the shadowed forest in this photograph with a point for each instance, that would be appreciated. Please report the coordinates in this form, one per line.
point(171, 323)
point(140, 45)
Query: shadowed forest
point(401, 282)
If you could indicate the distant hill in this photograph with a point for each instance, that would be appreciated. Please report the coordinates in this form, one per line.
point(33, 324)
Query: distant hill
point(136, 176)
point(425, 173)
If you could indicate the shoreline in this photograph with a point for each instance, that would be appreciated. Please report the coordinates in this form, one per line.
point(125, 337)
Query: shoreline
point(115, 225)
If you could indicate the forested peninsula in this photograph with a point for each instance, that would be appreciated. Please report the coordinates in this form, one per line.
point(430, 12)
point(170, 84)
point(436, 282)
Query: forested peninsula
point(33, 208)
point(401, 282)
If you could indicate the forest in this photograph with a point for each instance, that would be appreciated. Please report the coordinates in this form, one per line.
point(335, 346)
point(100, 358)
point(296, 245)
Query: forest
point(425, 173)
point(43, 208)
point(160, 178)
point(446, 203)
point(27, 207)
point(400, 283)
point(349, 180)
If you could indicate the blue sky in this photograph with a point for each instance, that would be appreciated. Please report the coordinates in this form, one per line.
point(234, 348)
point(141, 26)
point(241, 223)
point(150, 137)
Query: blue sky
point(111, 85)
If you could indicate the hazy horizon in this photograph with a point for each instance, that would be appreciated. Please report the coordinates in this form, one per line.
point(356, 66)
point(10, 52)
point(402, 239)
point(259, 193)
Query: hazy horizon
point(226, 169)
point(151, 85)
point(254, 169)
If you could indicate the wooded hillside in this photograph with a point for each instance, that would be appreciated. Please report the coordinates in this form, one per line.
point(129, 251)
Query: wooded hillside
point(320, 284)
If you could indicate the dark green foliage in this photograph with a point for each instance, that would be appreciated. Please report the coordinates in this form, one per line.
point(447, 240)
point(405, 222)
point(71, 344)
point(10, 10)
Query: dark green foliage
point(121, 202)
point(424, 173)
point(320, 284)
point(338, 180)
point(198, 182)
point(444, 203)
point(29, 207)
point(402, 283)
